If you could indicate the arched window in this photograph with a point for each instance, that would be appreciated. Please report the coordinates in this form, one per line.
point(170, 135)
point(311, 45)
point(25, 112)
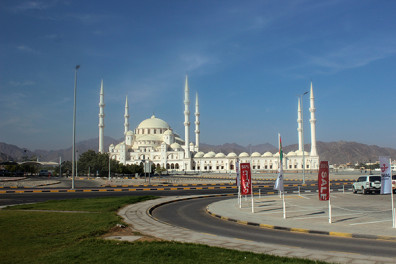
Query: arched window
point(177, 166)
point(172, 166)
point(167, 166)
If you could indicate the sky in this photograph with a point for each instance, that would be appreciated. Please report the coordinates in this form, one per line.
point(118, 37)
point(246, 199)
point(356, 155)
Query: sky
point(248, 61)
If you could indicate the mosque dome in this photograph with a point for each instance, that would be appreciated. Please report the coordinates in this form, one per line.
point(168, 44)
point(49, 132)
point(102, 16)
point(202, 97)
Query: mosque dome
point(232, 155)
point(300, 153)
point(256, 154)
point(267, 154)
point(210, 154)
point(199, 155)
point(243, 155)
point(153, 122)
point(168, 132)
point(175, 145)
point(220, 155)
point(291, 153)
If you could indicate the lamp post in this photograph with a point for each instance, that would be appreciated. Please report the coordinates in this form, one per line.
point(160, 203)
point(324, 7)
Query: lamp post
point(74, 124)
point(76, 163)
point(109, 167)
point(302, 132)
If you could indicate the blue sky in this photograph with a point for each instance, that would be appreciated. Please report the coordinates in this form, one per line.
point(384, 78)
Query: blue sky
point(248, 60)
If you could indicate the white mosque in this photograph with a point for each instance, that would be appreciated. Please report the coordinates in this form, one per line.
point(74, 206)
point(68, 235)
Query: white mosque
point(155, 141)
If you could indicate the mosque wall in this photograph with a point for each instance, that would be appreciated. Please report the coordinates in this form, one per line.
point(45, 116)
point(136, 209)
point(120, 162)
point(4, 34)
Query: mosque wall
point(155, 141)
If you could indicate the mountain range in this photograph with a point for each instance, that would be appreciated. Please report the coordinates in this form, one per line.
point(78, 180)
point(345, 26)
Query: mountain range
point(335, 152)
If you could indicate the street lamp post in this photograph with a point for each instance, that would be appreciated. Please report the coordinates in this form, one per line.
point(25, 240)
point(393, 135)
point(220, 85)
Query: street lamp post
point(74, 124)
point(109, 167)
point(302, 132)
point(76, 163)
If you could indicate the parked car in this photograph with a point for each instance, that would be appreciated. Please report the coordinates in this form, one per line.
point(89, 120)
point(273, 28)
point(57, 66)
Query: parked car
point(45, 173)
point(366, 184)
point(394, 183)
point(4, 172)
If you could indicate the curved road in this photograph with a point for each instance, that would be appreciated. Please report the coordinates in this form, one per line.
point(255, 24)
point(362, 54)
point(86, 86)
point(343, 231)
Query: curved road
point(191, 214)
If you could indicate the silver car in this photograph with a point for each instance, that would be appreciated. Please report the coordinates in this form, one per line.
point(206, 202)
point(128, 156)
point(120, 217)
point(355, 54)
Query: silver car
point(366, 184)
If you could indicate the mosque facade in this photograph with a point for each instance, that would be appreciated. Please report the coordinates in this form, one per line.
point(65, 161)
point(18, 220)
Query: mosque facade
point(154, 140)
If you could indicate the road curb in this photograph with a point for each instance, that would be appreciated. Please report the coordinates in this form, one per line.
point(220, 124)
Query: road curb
point(301, 230)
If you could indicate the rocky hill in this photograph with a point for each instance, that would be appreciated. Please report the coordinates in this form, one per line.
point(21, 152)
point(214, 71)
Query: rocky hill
point(335, 152)
point(12, 152)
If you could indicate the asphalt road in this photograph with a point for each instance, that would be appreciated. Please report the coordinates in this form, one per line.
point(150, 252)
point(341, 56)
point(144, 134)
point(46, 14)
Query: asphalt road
point(191, 214)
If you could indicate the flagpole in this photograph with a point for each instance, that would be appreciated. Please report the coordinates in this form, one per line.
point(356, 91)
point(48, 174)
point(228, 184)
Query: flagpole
point(284, 206)
point(393, 206)
point(251, 188)
point(329, 201)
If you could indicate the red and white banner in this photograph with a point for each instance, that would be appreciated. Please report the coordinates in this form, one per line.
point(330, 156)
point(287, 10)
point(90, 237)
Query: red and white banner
point(324, 181)
point(246, 179)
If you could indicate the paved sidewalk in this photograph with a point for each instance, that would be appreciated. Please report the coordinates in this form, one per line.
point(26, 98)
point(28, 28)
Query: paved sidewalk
point(137, 216)
point(352, 215)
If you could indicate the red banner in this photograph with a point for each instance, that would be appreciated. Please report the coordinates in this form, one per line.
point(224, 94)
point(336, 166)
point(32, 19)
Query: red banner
point(324, 181)
point(246, 179)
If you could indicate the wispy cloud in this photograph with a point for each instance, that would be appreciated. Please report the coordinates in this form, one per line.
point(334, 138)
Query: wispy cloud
point(32, 5)
point(354, 55)
point(26, 49)
point(196, 61)
point(21, 84)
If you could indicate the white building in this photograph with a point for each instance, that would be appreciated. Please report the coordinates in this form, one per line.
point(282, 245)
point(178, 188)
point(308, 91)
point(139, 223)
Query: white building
point(154, 140)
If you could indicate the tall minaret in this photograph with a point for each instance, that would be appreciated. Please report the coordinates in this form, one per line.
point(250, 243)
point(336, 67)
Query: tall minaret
point(299, 129)
point(312, 109)
point(101, 118)
point(126, 116)
point(196, 122)
point(186, 119)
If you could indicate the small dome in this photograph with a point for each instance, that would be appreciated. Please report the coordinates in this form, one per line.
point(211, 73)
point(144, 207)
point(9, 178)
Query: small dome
point(175, 145)
point(191, 144)
point(129, 133)
point(256, 154)
point(210, 154)
point(267, 154)
point(199, 154)
point(220, 155)
point(153, 122)
point(232, 155)
point(118, 147)
point(168, 132)
point(112, 145)
point(291, 153)
point(243, 155)
point(276, 154)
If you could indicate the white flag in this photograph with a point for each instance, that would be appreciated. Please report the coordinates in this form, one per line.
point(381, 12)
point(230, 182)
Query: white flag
point(386, 182)
point(279, 182)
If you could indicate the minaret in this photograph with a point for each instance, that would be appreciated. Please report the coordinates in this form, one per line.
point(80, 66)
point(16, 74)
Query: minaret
point(186, 119)
point(101, 118)
point(126, 116)
point(312, 109)
point(299, 129)
point(196, 122)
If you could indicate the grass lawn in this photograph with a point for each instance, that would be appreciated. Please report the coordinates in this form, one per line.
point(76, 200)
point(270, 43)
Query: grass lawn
point(69, 231)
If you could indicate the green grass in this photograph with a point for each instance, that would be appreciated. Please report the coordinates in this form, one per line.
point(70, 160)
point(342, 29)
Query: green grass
point(71, 237)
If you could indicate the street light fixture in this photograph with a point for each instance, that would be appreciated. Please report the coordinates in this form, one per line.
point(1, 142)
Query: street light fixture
point(74, 124)
point(302, 132)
